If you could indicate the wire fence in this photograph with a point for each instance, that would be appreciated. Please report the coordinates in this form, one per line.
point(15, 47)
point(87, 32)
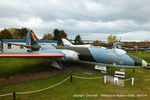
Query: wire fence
point(27, 92)
point(128, 79)
point(87, 77)
point(35, 91)
point(44, 88)
point(2, 95)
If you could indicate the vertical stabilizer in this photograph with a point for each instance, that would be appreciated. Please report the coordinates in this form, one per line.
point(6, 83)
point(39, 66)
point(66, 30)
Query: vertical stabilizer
point(28, 39)
point(32, 41)
point(66, 42)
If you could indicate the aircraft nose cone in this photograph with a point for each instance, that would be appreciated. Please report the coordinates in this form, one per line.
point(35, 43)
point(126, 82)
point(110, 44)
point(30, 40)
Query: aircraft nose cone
point(144, 63)
point(137, 61)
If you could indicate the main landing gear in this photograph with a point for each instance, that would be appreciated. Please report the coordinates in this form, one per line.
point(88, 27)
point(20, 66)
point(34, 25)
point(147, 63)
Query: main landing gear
point(57, 65)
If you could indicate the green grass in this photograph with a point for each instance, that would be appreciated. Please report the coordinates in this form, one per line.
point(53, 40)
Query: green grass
point(66, 90)
point(142, 54)
point(11, 66)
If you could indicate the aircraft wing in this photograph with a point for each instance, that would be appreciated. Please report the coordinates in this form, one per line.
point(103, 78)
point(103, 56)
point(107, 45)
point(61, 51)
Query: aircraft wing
point(33, 55)
point(30, 55)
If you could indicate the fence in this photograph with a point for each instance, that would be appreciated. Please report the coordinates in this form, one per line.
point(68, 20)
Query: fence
point(71, 80)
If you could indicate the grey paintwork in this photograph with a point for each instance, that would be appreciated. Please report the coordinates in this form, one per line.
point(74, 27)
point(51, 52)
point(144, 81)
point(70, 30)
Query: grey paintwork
point(109, 56)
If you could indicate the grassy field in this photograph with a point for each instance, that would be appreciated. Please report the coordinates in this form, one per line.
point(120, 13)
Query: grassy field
point(11, 66)
point(67, 90)
point(142, 54)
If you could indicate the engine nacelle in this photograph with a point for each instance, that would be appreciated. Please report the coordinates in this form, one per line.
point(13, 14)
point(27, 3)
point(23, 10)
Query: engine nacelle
point(70, 55)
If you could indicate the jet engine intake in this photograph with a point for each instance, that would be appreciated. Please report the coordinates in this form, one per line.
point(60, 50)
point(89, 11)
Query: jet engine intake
point(70, 55)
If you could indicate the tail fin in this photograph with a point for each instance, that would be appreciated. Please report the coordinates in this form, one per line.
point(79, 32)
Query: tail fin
point(66, 42)
point(32, 40)
point(28, 39)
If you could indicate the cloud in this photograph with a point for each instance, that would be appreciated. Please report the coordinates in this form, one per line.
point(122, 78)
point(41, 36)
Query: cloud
point(129, 36)
point(95, 18)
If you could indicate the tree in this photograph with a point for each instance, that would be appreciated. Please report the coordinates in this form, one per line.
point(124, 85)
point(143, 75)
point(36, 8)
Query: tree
point(62, 34)
point(47, 37)
point(15, 33)
point(5, 34)
point(78, 40)
point(58, 35)
point(112, 39)
point(96, 43)
point(23, 32)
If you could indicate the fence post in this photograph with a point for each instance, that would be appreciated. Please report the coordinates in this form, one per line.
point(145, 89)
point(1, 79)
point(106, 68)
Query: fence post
point(133, 70)
point(14, 95)
point(132, 81)
point(104, 79)
point(71, 78)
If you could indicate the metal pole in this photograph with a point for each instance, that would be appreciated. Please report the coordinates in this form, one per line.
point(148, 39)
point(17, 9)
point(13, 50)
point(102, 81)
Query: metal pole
point(14, 95)
point(71, 78)
point(104, 79)
point(132, 81)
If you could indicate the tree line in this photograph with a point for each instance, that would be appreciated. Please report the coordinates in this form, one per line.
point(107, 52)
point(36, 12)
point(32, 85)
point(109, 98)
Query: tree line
point(15, 33)
point(20, 33)
point(111, 39)
point(58, 35)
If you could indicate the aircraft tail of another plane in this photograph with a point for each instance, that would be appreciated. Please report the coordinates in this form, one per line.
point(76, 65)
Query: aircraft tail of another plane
point(28, 42)
point(66, 42)
point(32, 41)
point(28, 39)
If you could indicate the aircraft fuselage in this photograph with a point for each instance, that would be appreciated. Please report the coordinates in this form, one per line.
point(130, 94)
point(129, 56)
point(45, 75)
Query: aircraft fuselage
point(106, 56)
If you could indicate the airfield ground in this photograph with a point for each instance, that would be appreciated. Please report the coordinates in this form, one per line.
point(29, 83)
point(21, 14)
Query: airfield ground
point(34, 74)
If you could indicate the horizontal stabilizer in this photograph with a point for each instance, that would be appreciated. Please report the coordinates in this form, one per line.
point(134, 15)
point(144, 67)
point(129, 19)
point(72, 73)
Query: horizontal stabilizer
point(19, 45)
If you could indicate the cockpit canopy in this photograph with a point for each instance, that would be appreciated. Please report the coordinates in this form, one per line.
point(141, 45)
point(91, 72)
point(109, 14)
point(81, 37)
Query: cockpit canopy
point(120, 52)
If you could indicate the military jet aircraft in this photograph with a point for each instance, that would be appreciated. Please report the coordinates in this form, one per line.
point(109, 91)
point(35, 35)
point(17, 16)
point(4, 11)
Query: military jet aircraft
point(93, 55)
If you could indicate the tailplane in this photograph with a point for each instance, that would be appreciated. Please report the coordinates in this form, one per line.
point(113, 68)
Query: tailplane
point(31, 42)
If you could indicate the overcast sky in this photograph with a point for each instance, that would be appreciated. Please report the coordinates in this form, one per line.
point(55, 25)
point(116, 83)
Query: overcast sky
point(92, 19)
